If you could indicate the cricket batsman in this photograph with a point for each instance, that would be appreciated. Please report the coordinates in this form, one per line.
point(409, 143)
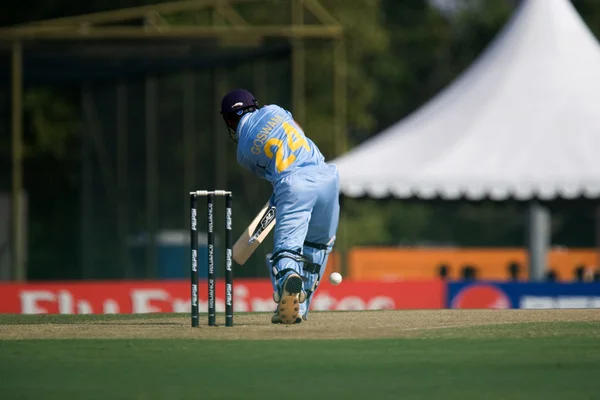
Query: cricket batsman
point(272, 145)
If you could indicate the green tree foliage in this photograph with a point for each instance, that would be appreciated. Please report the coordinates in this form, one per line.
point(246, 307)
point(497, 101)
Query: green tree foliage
point(366, 39)
point(428, 49)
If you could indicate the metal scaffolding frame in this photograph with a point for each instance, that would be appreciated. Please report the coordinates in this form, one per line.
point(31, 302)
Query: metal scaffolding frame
point(227, 25)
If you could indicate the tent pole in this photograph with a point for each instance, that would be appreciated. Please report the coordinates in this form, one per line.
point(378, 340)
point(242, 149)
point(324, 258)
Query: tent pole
point(597, 231)
point(538, 240)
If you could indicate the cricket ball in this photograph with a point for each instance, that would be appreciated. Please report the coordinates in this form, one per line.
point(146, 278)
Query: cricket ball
point(335, 278)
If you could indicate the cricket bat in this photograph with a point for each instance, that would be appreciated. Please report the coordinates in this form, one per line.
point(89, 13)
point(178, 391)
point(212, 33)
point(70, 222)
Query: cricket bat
point(254, 235)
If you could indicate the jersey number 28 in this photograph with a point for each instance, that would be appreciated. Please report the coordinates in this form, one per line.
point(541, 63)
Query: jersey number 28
point(295, 140)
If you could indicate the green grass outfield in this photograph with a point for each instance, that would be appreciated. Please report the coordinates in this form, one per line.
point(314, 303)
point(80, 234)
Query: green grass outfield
point(545, 360)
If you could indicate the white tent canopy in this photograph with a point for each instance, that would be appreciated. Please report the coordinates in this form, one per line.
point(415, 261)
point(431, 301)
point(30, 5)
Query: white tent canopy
point(522, 122)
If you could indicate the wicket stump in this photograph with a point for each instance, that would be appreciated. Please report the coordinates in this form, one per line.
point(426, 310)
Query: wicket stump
point(210, 241)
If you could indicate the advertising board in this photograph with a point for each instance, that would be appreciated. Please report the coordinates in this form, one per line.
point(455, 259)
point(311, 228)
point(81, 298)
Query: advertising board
point(523, 295)
point(136, 297)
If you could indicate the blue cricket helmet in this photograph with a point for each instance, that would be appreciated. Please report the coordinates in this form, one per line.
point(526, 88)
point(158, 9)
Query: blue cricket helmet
point(234, 105)
point(236, 101)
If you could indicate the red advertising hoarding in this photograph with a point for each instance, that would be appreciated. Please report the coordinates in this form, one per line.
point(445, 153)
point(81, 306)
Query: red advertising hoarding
point(137, 297)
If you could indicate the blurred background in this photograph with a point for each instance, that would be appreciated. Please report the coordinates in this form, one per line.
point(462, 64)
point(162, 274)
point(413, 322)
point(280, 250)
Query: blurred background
point(109, 116)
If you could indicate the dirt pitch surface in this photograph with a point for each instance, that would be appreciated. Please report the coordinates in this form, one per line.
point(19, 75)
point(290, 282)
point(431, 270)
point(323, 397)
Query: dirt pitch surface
point(322, 325)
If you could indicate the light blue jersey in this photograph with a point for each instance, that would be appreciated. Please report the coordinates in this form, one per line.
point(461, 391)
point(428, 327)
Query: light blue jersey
point(305, 192)
point(272, 145)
